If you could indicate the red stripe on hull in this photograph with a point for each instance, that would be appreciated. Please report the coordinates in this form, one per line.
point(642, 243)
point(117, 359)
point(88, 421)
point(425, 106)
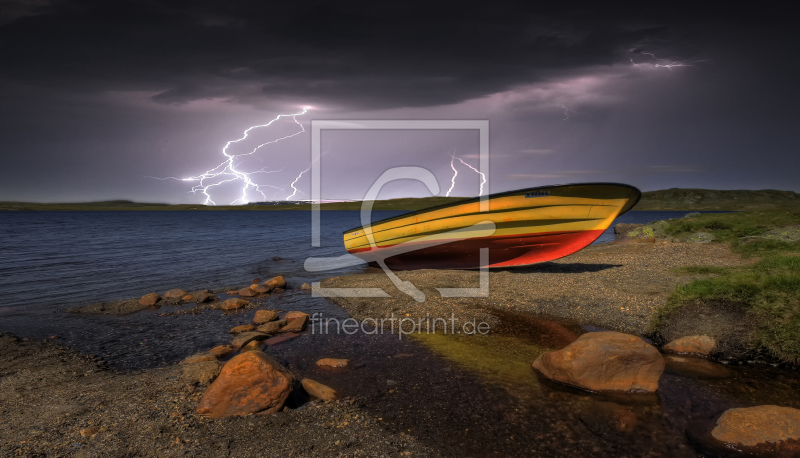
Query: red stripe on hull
point(503, 251)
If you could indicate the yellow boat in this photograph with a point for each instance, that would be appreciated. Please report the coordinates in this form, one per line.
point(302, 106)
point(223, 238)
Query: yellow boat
point(520, 228)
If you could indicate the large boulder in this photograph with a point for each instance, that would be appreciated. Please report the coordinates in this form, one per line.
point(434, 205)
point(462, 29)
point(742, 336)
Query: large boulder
point(149, 300)
point(264, 316)
point(276, 282)
point(604, 361)
point(753, 426)
point(174, 294)
point(699, 345)
point(250, 382)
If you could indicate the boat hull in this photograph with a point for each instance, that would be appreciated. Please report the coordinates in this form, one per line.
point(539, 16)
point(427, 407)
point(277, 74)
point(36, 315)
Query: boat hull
point(520, 228)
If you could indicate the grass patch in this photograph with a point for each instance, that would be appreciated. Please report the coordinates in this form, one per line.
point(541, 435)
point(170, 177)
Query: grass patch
point(729, 227)
point(768, 291)
point(701, 270)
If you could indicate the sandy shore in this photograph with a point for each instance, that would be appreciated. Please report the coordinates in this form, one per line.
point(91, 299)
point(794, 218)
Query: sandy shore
point(617, 286)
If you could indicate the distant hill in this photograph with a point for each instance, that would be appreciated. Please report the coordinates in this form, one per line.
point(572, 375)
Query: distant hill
point(667, 199)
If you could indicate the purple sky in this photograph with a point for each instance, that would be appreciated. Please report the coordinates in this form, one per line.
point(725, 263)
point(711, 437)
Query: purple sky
point(99, 96)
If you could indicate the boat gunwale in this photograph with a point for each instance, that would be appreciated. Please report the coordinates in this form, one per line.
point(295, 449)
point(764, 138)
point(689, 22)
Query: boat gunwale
point(470, 200)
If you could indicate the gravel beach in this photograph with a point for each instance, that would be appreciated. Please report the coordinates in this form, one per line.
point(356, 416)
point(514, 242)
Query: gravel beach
point(57, 402)
point(617, 286)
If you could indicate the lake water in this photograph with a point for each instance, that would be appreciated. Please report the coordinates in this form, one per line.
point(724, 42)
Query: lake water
point(68, 258)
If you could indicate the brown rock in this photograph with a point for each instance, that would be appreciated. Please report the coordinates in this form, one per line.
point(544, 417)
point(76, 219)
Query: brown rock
point(278, 290)
point(276, 282)
point(280, 339)
point(604, 361)
point(272, 327)
point(752, 426)
point(247, 292)
point(253, 345)
point(695, 368)
point(221, 351)
point(242, 328)
point(244, 338)
point(296, 325)
point(187, 298)
point(232, 293)
point(306, 287)
point(149, 300)
point(254, 286)
point(203, 297)
point(699, 345)
point(174, 294)
point(90, 432)
point(203, 372)
point(319, 391)
point(264, 316)
point(256, 280)
point(250, 382)
point(333, 362)
point(199, 357)
point(233, 304)
point(294, 315)
point(261, 289)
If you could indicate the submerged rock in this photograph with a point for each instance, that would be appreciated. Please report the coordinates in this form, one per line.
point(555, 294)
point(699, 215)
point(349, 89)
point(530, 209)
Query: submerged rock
point(251, 382)
point(247, 292)
point(753, 426)
point(695, 368)
point(149, 300)
point(319, 391)
point(261, 289)
point(333, 362)
point(174, 294)
point(280, 339)
point(699, 345)
point(264, 316)
point(604, 361)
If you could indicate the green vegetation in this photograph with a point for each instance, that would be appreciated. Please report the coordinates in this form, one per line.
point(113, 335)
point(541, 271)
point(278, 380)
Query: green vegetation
point(709, 199)
point(768, 291)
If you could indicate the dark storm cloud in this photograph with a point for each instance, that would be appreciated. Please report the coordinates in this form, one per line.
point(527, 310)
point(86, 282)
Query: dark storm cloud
point(367, 54)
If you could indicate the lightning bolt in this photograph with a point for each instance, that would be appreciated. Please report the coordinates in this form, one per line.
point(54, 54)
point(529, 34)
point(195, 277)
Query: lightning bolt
point(483, 177)
point(295, 190)
point(658, 62)
point(455, 174)
point(227, 171)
